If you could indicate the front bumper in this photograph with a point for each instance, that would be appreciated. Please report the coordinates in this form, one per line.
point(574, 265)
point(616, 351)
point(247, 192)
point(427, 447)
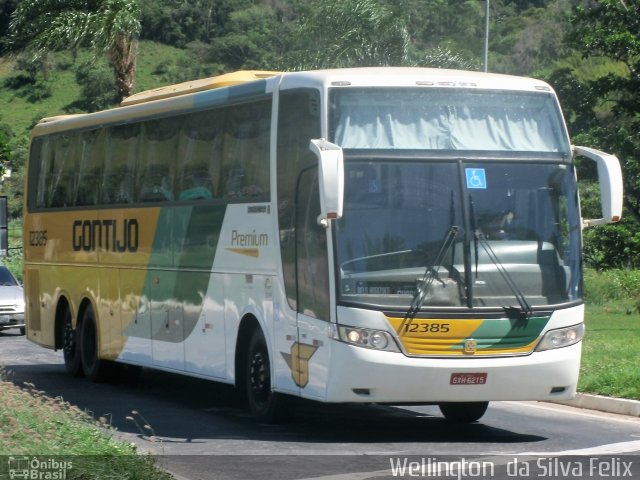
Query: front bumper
point(386, 377)
point(14, 320)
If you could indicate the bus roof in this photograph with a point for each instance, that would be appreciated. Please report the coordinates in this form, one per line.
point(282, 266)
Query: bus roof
point(414, 76)
point(171, 98)
point(193, 86)
point(183, 96)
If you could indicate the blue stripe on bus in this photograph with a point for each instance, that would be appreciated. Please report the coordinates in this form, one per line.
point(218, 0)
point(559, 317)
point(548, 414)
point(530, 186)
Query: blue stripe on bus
point(221, 96)
point(249, 89)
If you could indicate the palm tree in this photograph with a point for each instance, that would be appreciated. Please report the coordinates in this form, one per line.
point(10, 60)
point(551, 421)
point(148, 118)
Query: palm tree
point(104, 26)
point(349, 33)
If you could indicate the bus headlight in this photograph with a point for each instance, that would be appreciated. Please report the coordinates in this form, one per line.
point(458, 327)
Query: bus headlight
point(364, 337)
point(562, 337)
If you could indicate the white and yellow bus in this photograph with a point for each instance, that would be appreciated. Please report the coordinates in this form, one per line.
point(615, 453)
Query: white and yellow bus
point(379, 235)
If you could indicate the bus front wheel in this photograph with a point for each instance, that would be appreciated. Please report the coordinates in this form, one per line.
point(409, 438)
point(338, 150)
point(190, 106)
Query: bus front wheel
point(70, 350)
point(463, 412)
point(265, 404)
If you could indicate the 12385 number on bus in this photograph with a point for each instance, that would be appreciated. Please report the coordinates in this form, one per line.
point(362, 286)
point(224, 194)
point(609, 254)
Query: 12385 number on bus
point(37, 238)
point(427, 327)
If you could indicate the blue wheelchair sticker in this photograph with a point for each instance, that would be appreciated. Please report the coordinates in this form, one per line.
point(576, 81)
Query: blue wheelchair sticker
point(476, 178)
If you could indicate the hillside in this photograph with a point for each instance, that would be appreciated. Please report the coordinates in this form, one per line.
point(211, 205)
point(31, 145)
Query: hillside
point(22, 103)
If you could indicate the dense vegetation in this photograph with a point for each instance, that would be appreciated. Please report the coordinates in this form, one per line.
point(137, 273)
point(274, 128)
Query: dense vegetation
point(57, 60)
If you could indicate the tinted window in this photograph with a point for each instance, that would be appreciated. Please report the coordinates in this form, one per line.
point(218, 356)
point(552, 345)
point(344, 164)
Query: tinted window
point(157, 160)
point(298, 122)
point(121, 153)
point(6, 278)
point(220, 154)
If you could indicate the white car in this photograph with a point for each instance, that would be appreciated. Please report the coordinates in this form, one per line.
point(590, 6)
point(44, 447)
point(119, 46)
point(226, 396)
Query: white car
point(11, 301)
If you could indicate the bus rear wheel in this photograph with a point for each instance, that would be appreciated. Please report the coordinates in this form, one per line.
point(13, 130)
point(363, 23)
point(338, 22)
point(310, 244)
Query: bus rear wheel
point(70, 350)
point(94, 368)
point(265, 404)
point(463, 412)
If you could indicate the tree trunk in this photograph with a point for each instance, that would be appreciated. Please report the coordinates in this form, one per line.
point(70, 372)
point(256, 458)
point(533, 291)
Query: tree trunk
point(123, 57)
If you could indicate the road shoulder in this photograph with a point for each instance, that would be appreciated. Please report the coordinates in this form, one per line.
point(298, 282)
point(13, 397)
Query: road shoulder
point(619, 406)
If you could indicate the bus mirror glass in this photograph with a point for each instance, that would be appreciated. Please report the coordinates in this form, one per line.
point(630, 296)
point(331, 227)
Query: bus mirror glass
point(610, 180)
point(330, 179)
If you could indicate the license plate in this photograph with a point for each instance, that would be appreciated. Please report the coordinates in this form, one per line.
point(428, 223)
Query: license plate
point(479, 378)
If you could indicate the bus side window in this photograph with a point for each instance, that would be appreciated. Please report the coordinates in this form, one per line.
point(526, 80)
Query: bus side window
point(89, 175)
point(39, 172)
point(158, 158)
point(199, 153)
point(122, 149)
point(63, 183)
point(245, 151)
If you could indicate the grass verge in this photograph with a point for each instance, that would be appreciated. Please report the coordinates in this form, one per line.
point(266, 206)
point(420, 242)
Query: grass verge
point(611, 348)
point(611, 353)
point(32, 424)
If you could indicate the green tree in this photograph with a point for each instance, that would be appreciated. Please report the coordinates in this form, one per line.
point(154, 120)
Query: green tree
point(445, 26)
point(6, 8)
point(349, 33)
point(250, 41)
point(604, 112)
point(612, 29)
point(96, 88)
point(12, 154)
point(5, 149)
point(104, 26)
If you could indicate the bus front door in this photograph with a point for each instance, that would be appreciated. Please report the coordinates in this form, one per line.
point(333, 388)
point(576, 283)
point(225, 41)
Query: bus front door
point(312, 351)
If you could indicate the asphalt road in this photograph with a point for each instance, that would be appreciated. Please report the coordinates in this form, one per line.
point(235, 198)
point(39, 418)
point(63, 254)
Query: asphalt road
point(201, 430)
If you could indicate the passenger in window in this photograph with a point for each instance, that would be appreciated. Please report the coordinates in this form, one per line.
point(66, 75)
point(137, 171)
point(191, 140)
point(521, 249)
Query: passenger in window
point(157, 186)
point(237, 187)
point(197, 182)
point(235, 182)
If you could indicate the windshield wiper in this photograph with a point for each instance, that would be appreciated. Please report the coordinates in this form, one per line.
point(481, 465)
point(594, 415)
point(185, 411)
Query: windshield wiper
point(430, 274)
point(525, 311)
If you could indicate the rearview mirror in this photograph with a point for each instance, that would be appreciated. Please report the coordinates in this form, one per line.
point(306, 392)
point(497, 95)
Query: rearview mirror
point(330, 179)
point(610, 179)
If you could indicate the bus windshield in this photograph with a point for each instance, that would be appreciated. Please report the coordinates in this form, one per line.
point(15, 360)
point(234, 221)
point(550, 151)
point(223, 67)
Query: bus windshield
point(515, 217)
point(447, 120)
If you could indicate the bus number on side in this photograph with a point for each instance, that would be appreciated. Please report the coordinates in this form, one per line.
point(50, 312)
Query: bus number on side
point(37, 238)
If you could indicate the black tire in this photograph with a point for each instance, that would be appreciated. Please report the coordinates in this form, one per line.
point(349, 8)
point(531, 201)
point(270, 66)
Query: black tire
point(463, 412)
point(23, 331)
point(95, 369)
point(70, 347)
point(266, 405)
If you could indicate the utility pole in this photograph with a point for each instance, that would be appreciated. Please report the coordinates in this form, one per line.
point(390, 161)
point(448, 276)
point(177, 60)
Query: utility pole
point(486, 35)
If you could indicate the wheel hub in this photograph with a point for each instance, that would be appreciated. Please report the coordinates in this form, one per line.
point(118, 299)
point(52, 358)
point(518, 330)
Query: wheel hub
point(258, 376)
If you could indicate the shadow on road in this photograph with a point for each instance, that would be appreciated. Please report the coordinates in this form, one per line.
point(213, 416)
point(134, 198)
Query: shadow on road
point(179, 409)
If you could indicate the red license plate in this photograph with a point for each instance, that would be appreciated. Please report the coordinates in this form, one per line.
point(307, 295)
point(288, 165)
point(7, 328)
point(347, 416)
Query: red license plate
point(468, 378)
